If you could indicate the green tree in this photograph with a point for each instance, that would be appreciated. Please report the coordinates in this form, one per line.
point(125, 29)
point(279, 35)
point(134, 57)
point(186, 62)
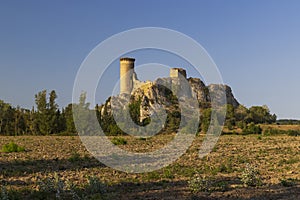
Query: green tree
point(30, 122)
point(3, 109)
point(68, 117)
point(86, 122)
point(241, 113)
point(261, 114)
point(47, 118)
point(6, 118)
point(53, 114)
point(41, 117)
point(20, 121)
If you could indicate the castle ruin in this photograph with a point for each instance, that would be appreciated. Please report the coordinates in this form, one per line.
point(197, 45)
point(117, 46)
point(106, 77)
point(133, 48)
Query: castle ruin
point(176, 72)
point(128, 78)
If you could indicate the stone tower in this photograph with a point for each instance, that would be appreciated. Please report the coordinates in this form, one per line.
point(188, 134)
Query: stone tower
point(174, 72)
point(126, 75)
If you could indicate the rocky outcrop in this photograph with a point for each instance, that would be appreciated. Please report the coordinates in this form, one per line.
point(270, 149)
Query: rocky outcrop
point(199, 89)
point(216, 91)
point(155, 95)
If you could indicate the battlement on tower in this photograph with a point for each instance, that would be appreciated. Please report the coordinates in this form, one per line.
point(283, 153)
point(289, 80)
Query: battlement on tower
point(127, 59)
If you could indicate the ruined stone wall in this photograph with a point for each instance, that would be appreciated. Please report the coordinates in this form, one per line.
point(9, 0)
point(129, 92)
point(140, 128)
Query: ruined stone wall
point(174, 72)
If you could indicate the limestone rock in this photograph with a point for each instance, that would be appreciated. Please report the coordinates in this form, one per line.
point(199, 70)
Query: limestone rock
point(216, 91)
point(157, 94)
point(199, 89)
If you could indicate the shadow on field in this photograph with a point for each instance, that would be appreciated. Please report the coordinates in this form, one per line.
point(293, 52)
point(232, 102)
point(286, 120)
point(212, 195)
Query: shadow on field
point(166, 190)
point(178, 190)
point(21, 167)
point(149, 190)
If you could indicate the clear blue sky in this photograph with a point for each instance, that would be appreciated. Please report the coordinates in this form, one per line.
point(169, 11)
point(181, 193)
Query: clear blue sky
point(255, 44)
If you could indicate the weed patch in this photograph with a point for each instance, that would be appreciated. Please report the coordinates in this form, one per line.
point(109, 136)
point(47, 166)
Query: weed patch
point(12, 147)
point(288, 182)
point(200, 183)
point(251, 176)
point(75, 157)
point(119, 141)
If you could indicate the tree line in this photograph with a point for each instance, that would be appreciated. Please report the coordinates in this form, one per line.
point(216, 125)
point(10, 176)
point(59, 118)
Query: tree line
point(47, 119)
point(43, 119)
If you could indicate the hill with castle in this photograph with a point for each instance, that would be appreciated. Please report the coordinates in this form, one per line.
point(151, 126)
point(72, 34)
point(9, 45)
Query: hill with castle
point(143, 99)
point(129, 84)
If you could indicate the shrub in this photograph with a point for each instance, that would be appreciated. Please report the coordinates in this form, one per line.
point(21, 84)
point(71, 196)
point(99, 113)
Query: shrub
point(74, 157)
point(259, 138)
point(12, 147)
point(199, 184)
point(142, 138)
point(168, 174)
point(52, 185)
point(288, 182)
point(119, 141)
point(226, 167)
point(4, 193)
point(293, 132)
point(95, 186)
point(56, 188)
point(206, 184)
point(252, 129)
point(250, 176)
point(241, 124)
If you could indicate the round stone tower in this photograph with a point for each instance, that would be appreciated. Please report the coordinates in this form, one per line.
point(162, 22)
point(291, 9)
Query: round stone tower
point(126, 75)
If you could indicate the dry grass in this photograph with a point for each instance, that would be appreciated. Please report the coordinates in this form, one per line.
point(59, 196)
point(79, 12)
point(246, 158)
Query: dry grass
point(277, 158)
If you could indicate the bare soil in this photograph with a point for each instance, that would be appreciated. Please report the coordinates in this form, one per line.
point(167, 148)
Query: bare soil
point(277, 158)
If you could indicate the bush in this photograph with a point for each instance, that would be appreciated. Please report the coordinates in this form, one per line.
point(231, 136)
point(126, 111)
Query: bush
point(250, 176)
point(259, 138)
point(252, 129)
point(119, 141)
point(290, 182)
point(271, 131)
point(206, 184)
point(95, 186)
point(12, 147)
point(56, 188)
point(241, 124)
point(293, 132)
point(52, 185)
point(74, 157)
point(4, 193)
